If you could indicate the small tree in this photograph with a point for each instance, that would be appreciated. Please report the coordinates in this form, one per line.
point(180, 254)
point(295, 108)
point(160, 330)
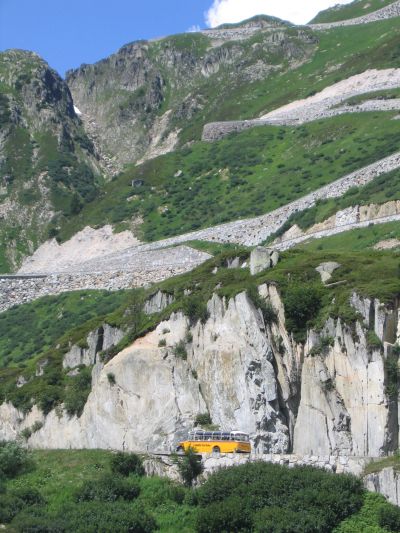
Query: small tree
point(13, 459)
point(127, 463)
point(190, 467)
point(203, 419)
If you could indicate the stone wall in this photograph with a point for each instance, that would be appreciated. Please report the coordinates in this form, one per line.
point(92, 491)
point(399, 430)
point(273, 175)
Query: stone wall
point(390, 11)
point(215, 131)
point(164, 465)
point(290, 243)
point(102, 273)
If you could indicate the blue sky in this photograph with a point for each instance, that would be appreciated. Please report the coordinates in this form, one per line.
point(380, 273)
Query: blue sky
point(68, 33)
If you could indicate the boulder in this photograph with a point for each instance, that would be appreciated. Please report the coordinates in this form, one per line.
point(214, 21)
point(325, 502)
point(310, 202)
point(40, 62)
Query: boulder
point(326, 270)
point(262, 258)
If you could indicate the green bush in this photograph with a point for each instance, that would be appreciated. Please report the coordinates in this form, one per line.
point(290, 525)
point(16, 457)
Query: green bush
point(203, 419)
point(314, 500)
point(180, 350)
point(373, 341)
point(273, 520)
point(389, 518)
point(111, 378)
point(126, 464)
point(87, 517)
point(269, 313)
point(195, 308)
point(230, 515)
point(28, 495)
point(108, 488)
point(190, 467)
point(13, 459)
point(26, 433)
point(302, 304)
point(77, 392)
point(10, 506)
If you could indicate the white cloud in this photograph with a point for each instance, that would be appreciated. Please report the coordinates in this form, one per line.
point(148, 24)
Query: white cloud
point(297, 11)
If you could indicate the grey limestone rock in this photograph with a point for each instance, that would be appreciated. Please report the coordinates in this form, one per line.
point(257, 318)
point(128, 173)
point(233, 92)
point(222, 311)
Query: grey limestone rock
point(326, 270)
point(262, 258)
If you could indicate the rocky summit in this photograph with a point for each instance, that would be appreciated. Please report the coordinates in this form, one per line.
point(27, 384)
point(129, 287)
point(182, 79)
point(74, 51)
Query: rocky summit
point(202, 231)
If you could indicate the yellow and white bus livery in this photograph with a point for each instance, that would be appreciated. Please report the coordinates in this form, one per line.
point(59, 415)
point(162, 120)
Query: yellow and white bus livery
point(216, 442)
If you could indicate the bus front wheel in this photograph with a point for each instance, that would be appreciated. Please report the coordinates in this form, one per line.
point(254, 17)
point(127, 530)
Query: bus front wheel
point(180, 449)
point(216, 449)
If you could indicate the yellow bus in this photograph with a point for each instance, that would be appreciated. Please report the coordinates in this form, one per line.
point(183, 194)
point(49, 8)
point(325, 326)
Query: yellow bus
point(216, 442)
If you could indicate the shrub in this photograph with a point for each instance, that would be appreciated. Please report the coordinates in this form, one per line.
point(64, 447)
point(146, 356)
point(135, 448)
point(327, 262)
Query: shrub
point(126, 464)
point(162, 342)
point(26, 433)
point(203, 419)
point(77, 392)
point(273, 520)
point(195, 308)
point(230, 515)
point(88, 517)
point(320, 500)
point(10, 506)
point(190, 467)
point(13, 459)
point(28, 495)
point(111, 378)
point(179, 350)
point(108, 488)
point(373, 341)
point(302, 304)
point(268, 312)
point(36, 426)
point(389, 518)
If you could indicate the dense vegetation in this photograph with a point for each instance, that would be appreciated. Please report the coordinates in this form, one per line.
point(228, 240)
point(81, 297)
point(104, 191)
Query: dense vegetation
point(247, 174)
point(85, 491)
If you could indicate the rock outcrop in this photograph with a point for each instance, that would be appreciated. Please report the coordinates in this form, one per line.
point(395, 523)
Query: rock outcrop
point(46, 159)
point(101, 339)
point(386, 482)
point(327, 398)
point(137, 102)
point(262, 258)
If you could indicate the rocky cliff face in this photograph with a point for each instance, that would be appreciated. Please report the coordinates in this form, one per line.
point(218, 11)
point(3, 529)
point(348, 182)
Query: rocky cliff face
point(48, 166)
point(151, 95)
point(330, 397)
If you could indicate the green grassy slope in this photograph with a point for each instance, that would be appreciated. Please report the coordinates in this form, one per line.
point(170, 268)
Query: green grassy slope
point(339, 54)
point(48, 494)
point(355, 9)
point(260, 170)
point(49, 318)
point(245, 175)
